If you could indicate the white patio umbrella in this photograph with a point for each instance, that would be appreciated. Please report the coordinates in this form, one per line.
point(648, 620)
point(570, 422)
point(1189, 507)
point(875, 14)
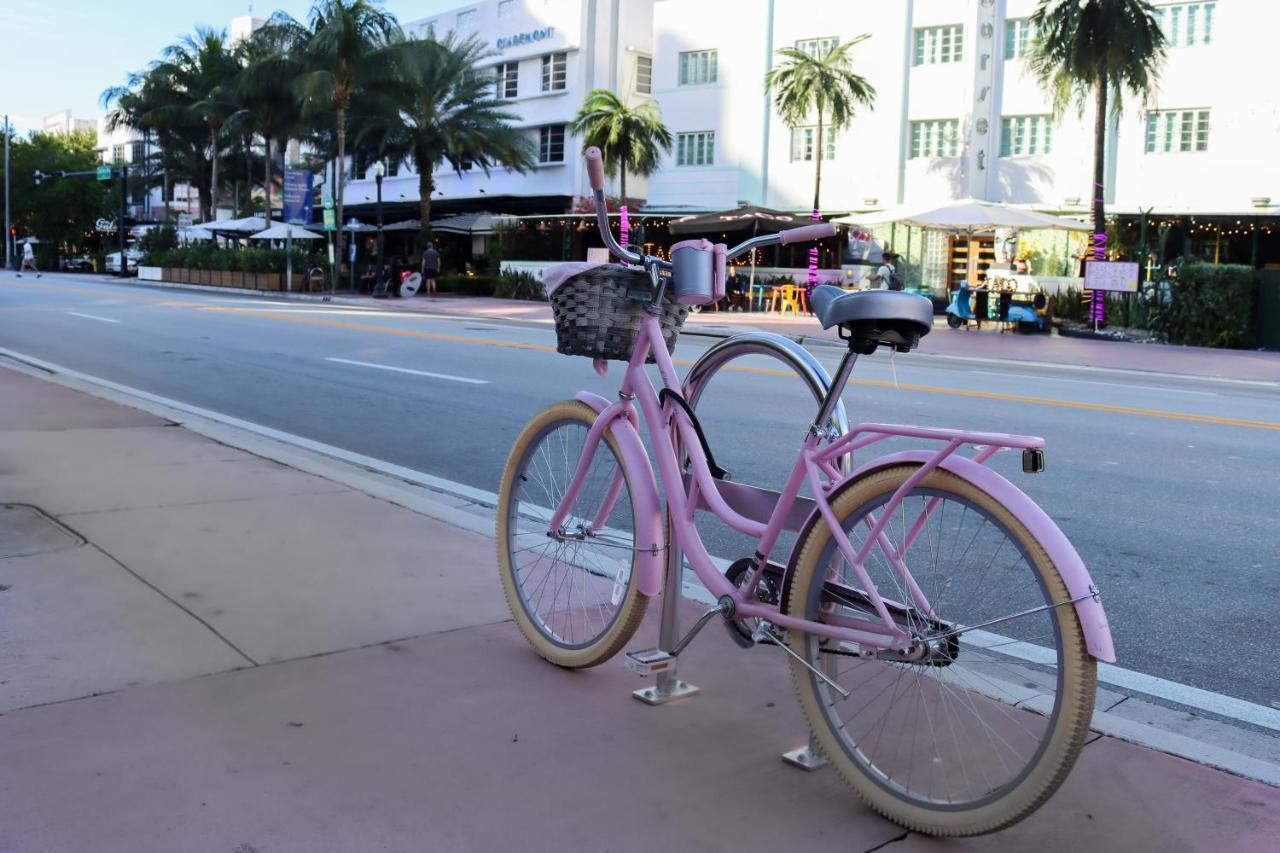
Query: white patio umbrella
point(282, 231)
point(191, 233)
point(239, 227)
point(969, 216)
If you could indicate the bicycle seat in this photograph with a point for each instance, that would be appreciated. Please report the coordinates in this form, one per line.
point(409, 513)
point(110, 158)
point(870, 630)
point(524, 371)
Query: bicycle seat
point(874, 318)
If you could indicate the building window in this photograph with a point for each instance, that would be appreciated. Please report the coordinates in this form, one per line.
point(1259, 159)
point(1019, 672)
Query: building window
point(935, 138)
point(1021, 136)
point(393, 167)
point(644, 74)
point(553, 72)
point(698, 66)
point(802, 143)
point(468, 20)
point(506, 8)
point(507, 79)
point(1186, 24)
point(1017, 38)
point(551, 144)
point(696, 149)
point(138, 153)
point(117, 154)
point(1173, 131)
point(817, 48)
point(935, 45)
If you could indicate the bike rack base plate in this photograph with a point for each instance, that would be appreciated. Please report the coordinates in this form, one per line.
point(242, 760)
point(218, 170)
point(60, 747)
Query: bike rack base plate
point(654, 696)
point(805, 757)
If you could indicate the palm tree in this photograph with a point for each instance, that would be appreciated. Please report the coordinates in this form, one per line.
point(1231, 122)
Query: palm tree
point(347, 49)
point(629, 137)
point(271, 62)
point(823, 83)
point(444, 110)
point(198, 69)
point(143, 103)
point(1096, 48)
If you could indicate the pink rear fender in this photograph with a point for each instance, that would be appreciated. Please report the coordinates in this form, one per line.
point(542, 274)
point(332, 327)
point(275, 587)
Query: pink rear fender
point(644, 497)
point(1093, 619)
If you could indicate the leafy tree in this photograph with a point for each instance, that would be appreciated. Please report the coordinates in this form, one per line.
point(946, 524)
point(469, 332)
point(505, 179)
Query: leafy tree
point(442, 109)
point(825, 86)
point(61, 212)
point(1096, 49)
point(629, 137)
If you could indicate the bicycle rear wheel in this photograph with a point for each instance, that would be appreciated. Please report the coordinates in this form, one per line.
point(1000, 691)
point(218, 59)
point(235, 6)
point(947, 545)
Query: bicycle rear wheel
point(981, 728)
point(574, 595)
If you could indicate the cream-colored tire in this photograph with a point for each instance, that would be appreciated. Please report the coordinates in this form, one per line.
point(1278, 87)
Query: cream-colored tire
point(575, 601)
point(927, 742)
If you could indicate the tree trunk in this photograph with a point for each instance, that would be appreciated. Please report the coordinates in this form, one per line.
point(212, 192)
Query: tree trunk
point(1100, 167)
point(266, 184)
point(341, 104)
point(817, 175)
point(817, 190)
point(247, 210)
point(426, 183)
point(213, 174)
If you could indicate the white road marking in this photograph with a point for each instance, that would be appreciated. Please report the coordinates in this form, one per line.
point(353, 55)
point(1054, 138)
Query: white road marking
point(1183, 694)
point(1122, 386)
point(413, 372)
point(92, 317)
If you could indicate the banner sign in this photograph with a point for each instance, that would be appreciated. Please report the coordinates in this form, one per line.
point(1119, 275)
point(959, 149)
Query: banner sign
point(1111, 275)
point(297, 196)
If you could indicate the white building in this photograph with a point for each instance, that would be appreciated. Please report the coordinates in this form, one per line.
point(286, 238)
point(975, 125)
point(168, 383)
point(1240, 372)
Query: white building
point(62, 122)
point(957, 113)
point(547, 54)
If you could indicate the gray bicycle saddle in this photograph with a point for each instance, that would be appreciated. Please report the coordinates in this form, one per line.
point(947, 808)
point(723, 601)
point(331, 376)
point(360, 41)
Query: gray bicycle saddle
point(874, 318)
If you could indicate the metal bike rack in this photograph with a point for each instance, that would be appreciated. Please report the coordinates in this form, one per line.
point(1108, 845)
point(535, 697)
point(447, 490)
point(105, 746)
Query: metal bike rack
point(748, 500)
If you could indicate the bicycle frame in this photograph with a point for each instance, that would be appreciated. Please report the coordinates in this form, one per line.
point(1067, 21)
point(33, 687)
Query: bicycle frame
point(817, 466)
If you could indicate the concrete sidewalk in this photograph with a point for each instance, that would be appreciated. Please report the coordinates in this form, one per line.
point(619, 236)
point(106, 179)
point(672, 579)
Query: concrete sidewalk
point(202, 649)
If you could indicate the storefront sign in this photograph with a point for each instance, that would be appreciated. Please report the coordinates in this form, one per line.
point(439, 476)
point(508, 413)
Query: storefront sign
point(525, 38)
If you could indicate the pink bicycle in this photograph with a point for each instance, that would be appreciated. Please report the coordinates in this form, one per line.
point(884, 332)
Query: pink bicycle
point(942, 632)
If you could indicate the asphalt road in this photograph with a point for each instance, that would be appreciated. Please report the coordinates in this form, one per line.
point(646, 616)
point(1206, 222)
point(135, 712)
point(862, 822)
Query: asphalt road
point(1168, 487)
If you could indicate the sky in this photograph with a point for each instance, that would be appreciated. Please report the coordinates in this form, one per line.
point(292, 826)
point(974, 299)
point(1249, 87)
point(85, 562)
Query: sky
point(61, 54)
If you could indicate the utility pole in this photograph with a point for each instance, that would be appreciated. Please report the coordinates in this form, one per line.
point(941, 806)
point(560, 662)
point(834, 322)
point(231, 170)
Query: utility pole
point(120, 229)
point(8, 237)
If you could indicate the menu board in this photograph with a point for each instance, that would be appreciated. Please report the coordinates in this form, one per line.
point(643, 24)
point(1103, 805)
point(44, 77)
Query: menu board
point(1111, 275)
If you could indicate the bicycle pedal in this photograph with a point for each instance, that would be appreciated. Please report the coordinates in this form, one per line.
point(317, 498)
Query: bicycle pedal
point(649, 661)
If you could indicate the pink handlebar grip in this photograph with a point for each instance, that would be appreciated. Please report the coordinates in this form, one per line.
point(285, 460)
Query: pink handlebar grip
point(807, 233)
point(595, 168)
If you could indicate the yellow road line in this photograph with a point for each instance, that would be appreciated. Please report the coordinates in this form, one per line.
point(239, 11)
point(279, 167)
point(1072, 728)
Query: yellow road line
point(762, 371)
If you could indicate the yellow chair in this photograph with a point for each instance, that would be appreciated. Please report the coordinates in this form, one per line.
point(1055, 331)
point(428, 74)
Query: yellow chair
point(789, 296)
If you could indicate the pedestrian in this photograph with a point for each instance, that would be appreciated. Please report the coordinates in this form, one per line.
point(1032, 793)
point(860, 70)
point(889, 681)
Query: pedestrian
point(28, 260)
point(430, 268)
point(886, 276)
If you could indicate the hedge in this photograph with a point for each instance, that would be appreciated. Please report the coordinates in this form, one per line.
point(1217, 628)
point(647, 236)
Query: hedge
point(1209, 305)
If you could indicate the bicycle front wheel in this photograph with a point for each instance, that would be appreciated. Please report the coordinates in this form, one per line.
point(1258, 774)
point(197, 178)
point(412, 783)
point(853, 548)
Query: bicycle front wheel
point(984, 719)
point(573, 591)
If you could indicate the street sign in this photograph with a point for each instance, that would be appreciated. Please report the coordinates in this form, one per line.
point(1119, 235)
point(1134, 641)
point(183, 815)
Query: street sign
point(104, 173)
point(330, 220)
point(184, 220)
point(327, 201)
point(297, 196)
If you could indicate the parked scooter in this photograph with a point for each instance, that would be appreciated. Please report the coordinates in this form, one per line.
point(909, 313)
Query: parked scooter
point(959, 312)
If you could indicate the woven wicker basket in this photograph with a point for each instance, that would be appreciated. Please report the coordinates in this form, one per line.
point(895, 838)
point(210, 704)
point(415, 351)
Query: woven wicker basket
point(598, 313)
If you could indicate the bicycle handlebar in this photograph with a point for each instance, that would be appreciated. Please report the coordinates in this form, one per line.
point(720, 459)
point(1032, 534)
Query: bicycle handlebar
point(595, 168)
point(817, 231)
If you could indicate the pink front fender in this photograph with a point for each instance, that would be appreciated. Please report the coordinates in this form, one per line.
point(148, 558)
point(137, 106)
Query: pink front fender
point(1093, 619)
point(644, 497)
